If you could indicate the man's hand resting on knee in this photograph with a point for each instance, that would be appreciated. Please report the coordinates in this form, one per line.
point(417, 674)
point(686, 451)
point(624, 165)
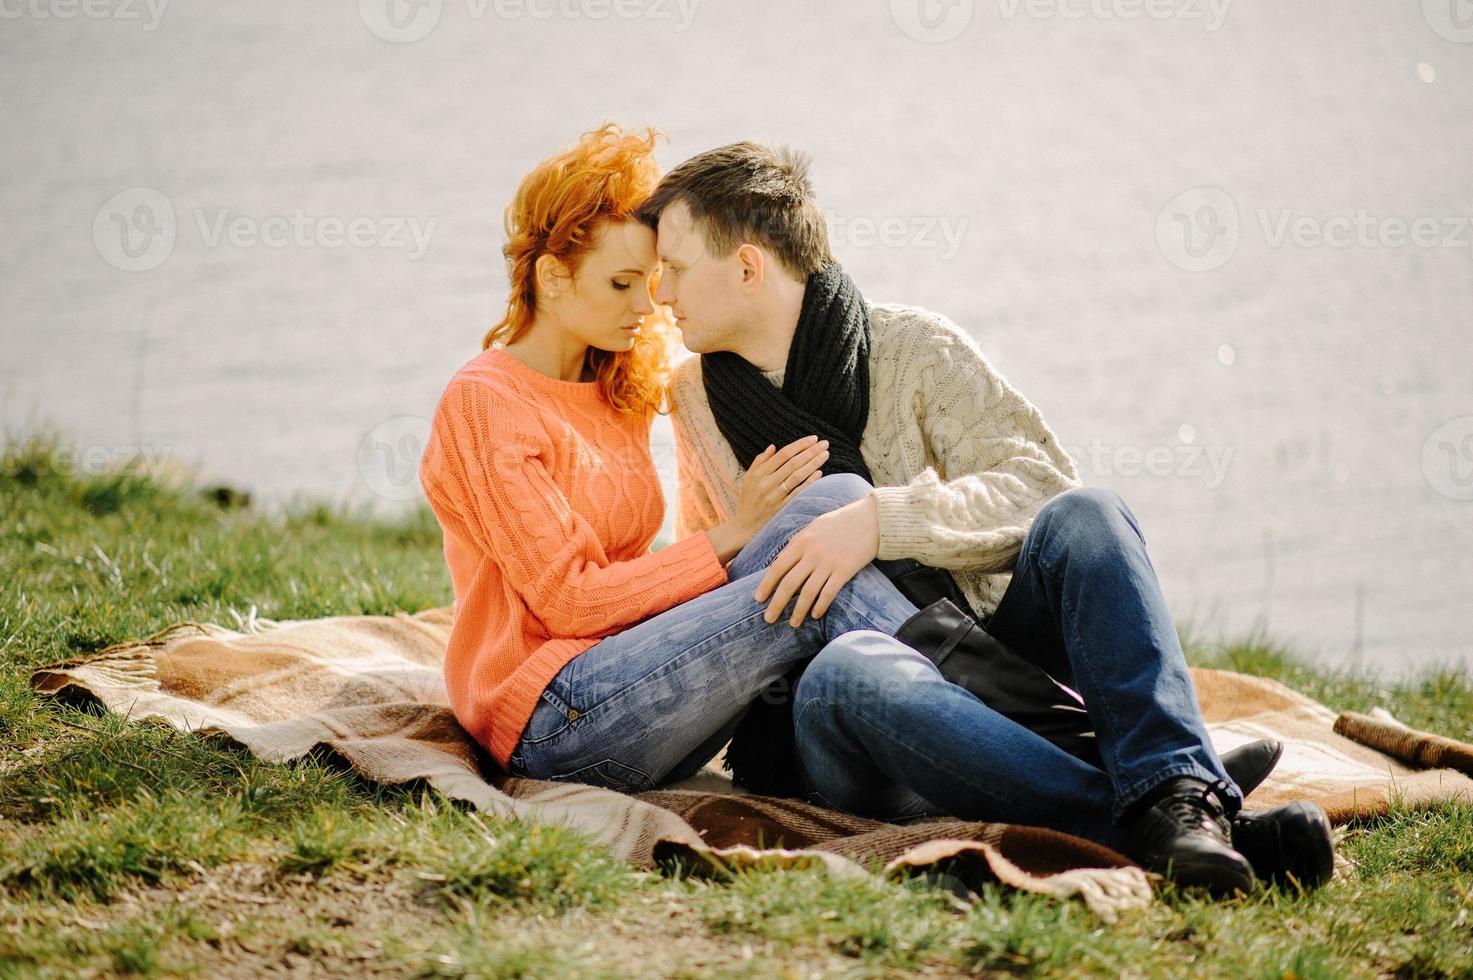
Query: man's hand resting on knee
point(820, 560)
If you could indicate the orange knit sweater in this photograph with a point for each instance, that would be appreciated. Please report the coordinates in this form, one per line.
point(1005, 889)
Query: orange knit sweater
point(548, 500)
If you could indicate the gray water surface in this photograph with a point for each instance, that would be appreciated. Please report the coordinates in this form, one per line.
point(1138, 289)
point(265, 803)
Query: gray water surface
point(1178, 236)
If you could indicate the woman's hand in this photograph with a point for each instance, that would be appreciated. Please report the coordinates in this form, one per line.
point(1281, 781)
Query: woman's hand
point(773, 479)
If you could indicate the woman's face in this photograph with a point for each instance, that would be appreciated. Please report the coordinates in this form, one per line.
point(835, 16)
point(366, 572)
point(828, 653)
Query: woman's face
point(609, 296)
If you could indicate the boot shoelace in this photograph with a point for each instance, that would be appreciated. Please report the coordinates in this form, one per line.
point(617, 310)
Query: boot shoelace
point(1192, 806)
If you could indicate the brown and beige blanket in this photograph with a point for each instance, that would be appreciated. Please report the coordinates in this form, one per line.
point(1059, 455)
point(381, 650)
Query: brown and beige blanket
point(369, 690)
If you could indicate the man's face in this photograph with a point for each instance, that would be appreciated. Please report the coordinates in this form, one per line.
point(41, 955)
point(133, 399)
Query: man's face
point(703, 291)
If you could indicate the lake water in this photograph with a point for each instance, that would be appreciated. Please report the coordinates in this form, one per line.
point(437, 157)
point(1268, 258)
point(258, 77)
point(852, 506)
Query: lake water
point(1223, 247)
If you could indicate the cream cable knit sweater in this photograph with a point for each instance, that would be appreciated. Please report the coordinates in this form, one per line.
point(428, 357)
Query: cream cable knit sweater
point(961, 461)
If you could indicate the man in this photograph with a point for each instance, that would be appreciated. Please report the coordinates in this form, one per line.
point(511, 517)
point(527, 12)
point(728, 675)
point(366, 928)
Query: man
point(966, 477)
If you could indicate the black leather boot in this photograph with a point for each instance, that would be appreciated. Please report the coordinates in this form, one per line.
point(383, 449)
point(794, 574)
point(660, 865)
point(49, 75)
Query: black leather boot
point(1249, 765)
point(1180, 829)
point(1287, 844)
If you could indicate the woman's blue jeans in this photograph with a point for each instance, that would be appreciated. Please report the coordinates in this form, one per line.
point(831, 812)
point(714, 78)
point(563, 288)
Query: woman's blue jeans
point(880, 732)
point(656, 702)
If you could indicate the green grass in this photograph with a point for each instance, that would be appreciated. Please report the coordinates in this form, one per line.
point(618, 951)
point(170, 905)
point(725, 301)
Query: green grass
point(135, 849)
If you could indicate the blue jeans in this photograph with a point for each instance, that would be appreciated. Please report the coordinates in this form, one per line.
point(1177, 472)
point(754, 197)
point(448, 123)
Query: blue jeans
point(880, 732)
point(654, 703)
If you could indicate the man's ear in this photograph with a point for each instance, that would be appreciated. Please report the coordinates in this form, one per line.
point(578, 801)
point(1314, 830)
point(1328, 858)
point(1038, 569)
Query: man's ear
point(753, 265)
point(552, 274)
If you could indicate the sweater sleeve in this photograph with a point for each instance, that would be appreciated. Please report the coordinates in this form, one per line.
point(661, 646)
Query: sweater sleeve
point(695, 512)
point(485, 473)
point(708, 476)
point(991, 463)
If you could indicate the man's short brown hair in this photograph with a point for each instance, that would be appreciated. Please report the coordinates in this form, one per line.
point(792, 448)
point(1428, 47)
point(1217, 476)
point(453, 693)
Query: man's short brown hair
point(747, 192)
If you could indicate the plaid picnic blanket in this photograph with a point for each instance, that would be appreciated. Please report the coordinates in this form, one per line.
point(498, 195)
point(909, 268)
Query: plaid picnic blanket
point(369, 691)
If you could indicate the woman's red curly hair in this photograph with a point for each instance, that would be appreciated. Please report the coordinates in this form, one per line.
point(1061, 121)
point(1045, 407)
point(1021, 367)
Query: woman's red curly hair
point(557, 210)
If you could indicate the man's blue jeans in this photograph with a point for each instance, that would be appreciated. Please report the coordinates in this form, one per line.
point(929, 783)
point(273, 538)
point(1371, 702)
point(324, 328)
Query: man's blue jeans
point(880, 732)
point(654, 703)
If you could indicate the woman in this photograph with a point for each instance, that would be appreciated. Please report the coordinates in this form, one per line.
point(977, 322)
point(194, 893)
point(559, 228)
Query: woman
point(576, 653)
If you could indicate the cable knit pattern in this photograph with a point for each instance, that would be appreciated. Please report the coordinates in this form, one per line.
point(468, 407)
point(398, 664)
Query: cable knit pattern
point(961, 461)
point(548, 500)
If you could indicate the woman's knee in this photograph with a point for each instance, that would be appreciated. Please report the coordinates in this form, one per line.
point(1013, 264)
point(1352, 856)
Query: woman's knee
point(829, 493)
point(823, 496)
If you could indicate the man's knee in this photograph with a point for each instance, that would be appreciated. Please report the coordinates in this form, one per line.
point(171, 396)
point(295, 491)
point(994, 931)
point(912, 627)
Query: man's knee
point(1087, 513)
point(858, 665)
point(1082, 503)
point(1084, 507)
